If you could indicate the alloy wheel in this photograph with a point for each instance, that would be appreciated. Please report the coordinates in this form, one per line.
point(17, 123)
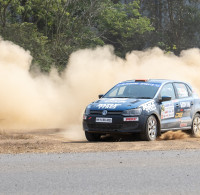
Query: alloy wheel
point(152, 128)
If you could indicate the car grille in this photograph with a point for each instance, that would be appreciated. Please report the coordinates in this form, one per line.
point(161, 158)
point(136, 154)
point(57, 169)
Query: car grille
point(99, 112)
point(112, 127)
point(105, 126)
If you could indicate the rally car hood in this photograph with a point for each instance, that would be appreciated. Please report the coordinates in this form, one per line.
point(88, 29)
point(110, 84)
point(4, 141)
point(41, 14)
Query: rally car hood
point(117, 103)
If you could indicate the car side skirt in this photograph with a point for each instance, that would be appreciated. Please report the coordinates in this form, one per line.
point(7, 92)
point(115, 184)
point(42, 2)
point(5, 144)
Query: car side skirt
point(175, 129)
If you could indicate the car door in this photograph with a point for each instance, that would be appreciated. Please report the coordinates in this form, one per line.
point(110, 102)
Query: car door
point(167, 108)
point(184, 106)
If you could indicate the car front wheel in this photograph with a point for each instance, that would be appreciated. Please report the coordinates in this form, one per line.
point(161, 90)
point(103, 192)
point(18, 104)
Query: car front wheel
point(92, 137)
point(151, 129)
point(195, 131)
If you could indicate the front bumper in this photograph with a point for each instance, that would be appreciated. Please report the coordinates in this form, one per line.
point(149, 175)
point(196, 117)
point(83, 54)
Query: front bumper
point(118, 124)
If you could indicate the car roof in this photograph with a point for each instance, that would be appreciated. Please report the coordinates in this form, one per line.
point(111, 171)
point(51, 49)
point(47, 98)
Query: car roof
point(161, 81)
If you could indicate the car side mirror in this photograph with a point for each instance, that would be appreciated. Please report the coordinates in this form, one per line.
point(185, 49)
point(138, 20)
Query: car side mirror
point(165, 98)
point(100, 96)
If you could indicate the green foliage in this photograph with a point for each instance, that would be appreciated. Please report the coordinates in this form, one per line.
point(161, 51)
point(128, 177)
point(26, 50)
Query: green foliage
point(177, 23)
point(27, 36)
point(122, 24)
point(53, 29)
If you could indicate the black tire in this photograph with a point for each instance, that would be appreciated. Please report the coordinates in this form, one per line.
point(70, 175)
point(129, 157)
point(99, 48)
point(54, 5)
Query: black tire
point(92, 137)
point(151, 129)
point(195, 130)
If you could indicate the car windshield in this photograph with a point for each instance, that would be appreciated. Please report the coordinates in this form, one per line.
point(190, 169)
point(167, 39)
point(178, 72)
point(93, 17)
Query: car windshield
point(138, 90)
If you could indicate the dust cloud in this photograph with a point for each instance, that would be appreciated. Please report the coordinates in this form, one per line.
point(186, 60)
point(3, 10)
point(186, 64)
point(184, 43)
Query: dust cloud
point(171, 135)
point(32, 100)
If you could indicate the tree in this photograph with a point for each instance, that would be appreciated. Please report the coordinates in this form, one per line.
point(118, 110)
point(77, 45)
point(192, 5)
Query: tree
point(53, 29)
point(176, 23)
point(123, 26)
point(50, 29)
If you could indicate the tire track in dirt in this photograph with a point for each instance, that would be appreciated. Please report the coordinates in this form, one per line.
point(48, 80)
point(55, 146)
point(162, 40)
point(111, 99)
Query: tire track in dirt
point(53, 141)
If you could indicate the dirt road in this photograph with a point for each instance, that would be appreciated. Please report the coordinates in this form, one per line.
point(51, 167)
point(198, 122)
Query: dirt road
point(54, 141)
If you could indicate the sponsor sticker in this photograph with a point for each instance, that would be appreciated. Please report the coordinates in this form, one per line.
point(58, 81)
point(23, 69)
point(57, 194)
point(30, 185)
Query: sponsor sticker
point(185, 104)
point(115, 100)
point(167, 110)
point(182, 92)
point(141, 83)
point(131, 119)
point(183, 125)
point(149, 106)
point(179, 115)
point(103, 120)
point(108, 106)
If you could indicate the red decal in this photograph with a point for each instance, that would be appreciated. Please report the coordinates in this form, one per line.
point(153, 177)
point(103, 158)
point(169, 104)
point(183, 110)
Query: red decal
point(131, 119)
point(89, 118)
point(183, 125)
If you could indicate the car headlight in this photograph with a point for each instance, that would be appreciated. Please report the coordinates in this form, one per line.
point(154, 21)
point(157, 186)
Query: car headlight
point(87, 110)
point(132, 112)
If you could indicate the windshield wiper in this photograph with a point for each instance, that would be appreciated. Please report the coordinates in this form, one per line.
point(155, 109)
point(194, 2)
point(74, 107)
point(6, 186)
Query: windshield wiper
point(119, 97)
point(143, 97)
point(131, 97)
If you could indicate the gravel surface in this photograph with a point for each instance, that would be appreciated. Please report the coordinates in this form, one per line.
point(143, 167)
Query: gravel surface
point(53, 142)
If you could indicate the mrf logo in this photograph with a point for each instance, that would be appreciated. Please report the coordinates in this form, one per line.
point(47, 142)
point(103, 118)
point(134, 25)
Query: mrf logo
point(108, 106)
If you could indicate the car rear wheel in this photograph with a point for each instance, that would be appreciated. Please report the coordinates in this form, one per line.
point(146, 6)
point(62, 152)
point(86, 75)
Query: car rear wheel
point(195, 131)
point(92, 137)
point(151, 129)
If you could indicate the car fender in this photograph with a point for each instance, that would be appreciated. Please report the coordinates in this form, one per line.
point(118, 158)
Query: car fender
point(195, 112)
point(156, 114)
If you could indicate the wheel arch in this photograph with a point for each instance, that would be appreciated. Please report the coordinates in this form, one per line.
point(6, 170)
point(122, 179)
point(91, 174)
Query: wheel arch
point(197, 112)
point(195, 131)
point(159, 124)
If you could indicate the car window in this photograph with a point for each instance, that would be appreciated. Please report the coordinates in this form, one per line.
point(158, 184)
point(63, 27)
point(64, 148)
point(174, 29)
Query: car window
point(121, 90)
point(117, 91)
point(181, 90)
point(189, 90)
point(133, 90)
point(168, 90)
point(113, 93)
